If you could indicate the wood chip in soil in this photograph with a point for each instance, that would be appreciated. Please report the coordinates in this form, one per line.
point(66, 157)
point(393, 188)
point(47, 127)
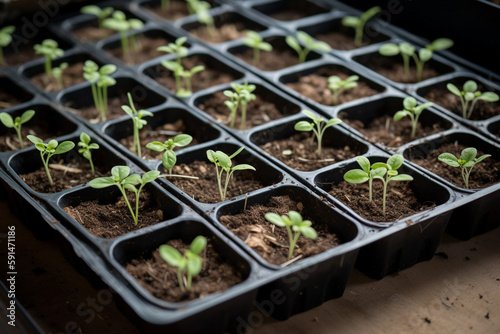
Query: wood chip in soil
point(274, 60)
point(146, 49)
point(72, 75)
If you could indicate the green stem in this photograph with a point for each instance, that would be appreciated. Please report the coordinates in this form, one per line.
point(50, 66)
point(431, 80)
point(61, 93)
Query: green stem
point(181, 281)
point(303, 55)
point(137, 195)
point(292, 245)
point(358, 38)
point(256, 56)
point(469, 114)
point(48, 67)
point(188, 83)
point(18, 130)
point(189, 279)
point(226, 184)
point(99, 106)
point(290, 237)
point(464, 107)
point(92, 166)
point(370, 182)
point(420, 69)
point(46, 165)
point(414, 122)
point(406, 64)
point(124, 43)
point(384, 195)
point(128, 203)
point(243, 114)
point(219, 182)
point(137, 141)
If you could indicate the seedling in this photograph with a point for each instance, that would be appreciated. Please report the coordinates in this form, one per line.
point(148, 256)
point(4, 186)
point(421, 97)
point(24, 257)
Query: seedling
point(242, 95)
point(358, 23)
point(412, 110)
point(201, 8)
point(120, 23)
point(121, 177)
point(16, 123)
point(180, 51)
point(48, 150)
point(49, 48)
point(309, 45)
point(222, 161)
point(338, 86)
point(5, 39)
point(407, 50)
point(137, 121)
point(100, 81)
point(318, 126)
point(100, 13)
point(295, 226)
point(466, 161)
point(470, 95)
point(57, 72)
point(169, 159)
point(366, 173)
point(187, 75)
point(85, 147)
point(190, 263)
point(256, 42)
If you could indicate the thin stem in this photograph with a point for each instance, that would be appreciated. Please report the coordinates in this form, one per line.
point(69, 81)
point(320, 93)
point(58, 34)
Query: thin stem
point(104, 102)
point(358, 38)
point(137, 203)
point(179, 278)
point(18, 130)
point(290, 237)
point(124, 42)
point(99, 103)
point(189, 279)
point(292, 245)
point(465, 177)
point(318, 136)
point(469, 114)
point(46, 165)
point(420, 69)
point(464, 107)
point(91, 166)
point(128, 203)
point(370, 181)
point(137, 140)
point(219, 182)
point(406, 64)
point(256, 56)
point(226, 184)
point(303, 55)
point(414, 122)
point(384, 195)
point(177, 76)
point(243, 114)
point(48, 66)
point(335, 96)
point(187, 80)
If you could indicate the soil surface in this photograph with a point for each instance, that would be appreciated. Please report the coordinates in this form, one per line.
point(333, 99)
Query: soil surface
point(270, 241)
point(343, 39)
point(303, 152)
point(176, 10)
point(71, 76)
point(146, 49)
point(24, 54)
point(484, 174)
point(92, 33)
point(274, 60)
point(8, 100)
point(295, 10)
point(226, 32)
point(10, 142)
point(160, 279)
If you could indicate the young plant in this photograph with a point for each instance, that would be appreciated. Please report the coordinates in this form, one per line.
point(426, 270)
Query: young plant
point(100, 80)
point(48, 48)
point(121, 177)
point(295, 226)
point(187, 75)
point(338, 86)
point(16, 123)
point(358, 23)
point(180, 51)
point(120, 23)
point(318, 126)
point(223, 161)
point(470, 95)
point(85, 147)
point(366, 173)
point(412, 110)
point(5, 39)
point(256, 42)
point(48, 150)
point(309, 45)
point(190, 263)
point(100, 13)
point(466, 161)
point(137, 121)
point(240, 96)
point(169, 159)
point(201, 8)
point(57, 72)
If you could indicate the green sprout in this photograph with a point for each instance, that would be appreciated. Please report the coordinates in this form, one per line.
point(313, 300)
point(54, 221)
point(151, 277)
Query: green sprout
point(242, 95)
point(48, 150)
point(187, 75)
point(137, 121)
point(358, 23)
point(295, 227)
point(5, 39)
point(407, 50)
point(57, 72)
point(100, 80)
point(255, 41)
point(338, 86)
point(466, 161)
point(85, 147)
point(318, 126)
point(180, 51)
point(16, 123)
point(48, 48)
point(470, 95)
point(191, 263)
point(222, 161)
point(120, 23)
point(201, 8)
point(412, 110)
point(169, 159)
point(100, 13)
point(121, 177)
point(309, 42)
point(366, 173)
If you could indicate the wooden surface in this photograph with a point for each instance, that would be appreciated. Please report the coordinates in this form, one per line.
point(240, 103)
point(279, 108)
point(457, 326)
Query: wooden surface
point(458, 291)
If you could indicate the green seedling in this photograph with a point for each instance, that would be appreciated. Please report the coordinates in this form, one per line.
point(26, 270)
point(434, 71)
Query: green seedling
point(412, 110)
point(180, 51)
point(256, 42)
point(240, 96)
point(16, 123)
point(407, 50)
point(120, 23)
point(295, 227)
point(466, 161)
point(358, 23)
point(137, 121)
point(57, 72)
point(201, 8)
point(100, 81)
point(338, 86)
point(121, 177)
point(309, 43)
point(366, 173)
point(470, 95)
point(49, 48)
point(5, 39)
point(223, 161)
point(318, 126)
point(191, 263)
point(85, 147)
point(50, 149)
point(100, 13)
point(187, 75)
point(169, 159)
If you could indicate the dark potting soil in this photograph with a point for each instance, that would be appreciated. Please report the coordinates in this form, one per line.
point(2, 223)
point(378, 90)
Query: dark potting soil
point(274, 60)
point(10, 142)
point(270, 241)
point(205, 188)
point(146, 49)
point(300, 152)
point(400, 200)
point(176, 9)
point(92, 33)
point(259, 111)
point(343, 39)
point(8, 100)
point(160, 279)
point(315, 87)
point(484, 174)
point(24, 53)
point(295, 10)
point(71, 76)
point(226, 32)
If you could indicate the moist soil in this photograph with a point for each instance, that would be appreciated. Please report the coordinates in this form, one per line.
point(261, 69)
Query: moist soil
point(400, 200)
point(71, 76)
point(343, 39)
point(315, 87)
point(160, 279)
point(24, 54)
point(114, 219)
point(484, 174)
point(226, 32)
point(176, 10)
point(274, 60)
point(270, 241)
point(92, 33)
point(146, 49)
point(205, 188)
point(389, 133)
point(300, 152)
point(259, 111)
point(7, 100)
point(10, 142)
